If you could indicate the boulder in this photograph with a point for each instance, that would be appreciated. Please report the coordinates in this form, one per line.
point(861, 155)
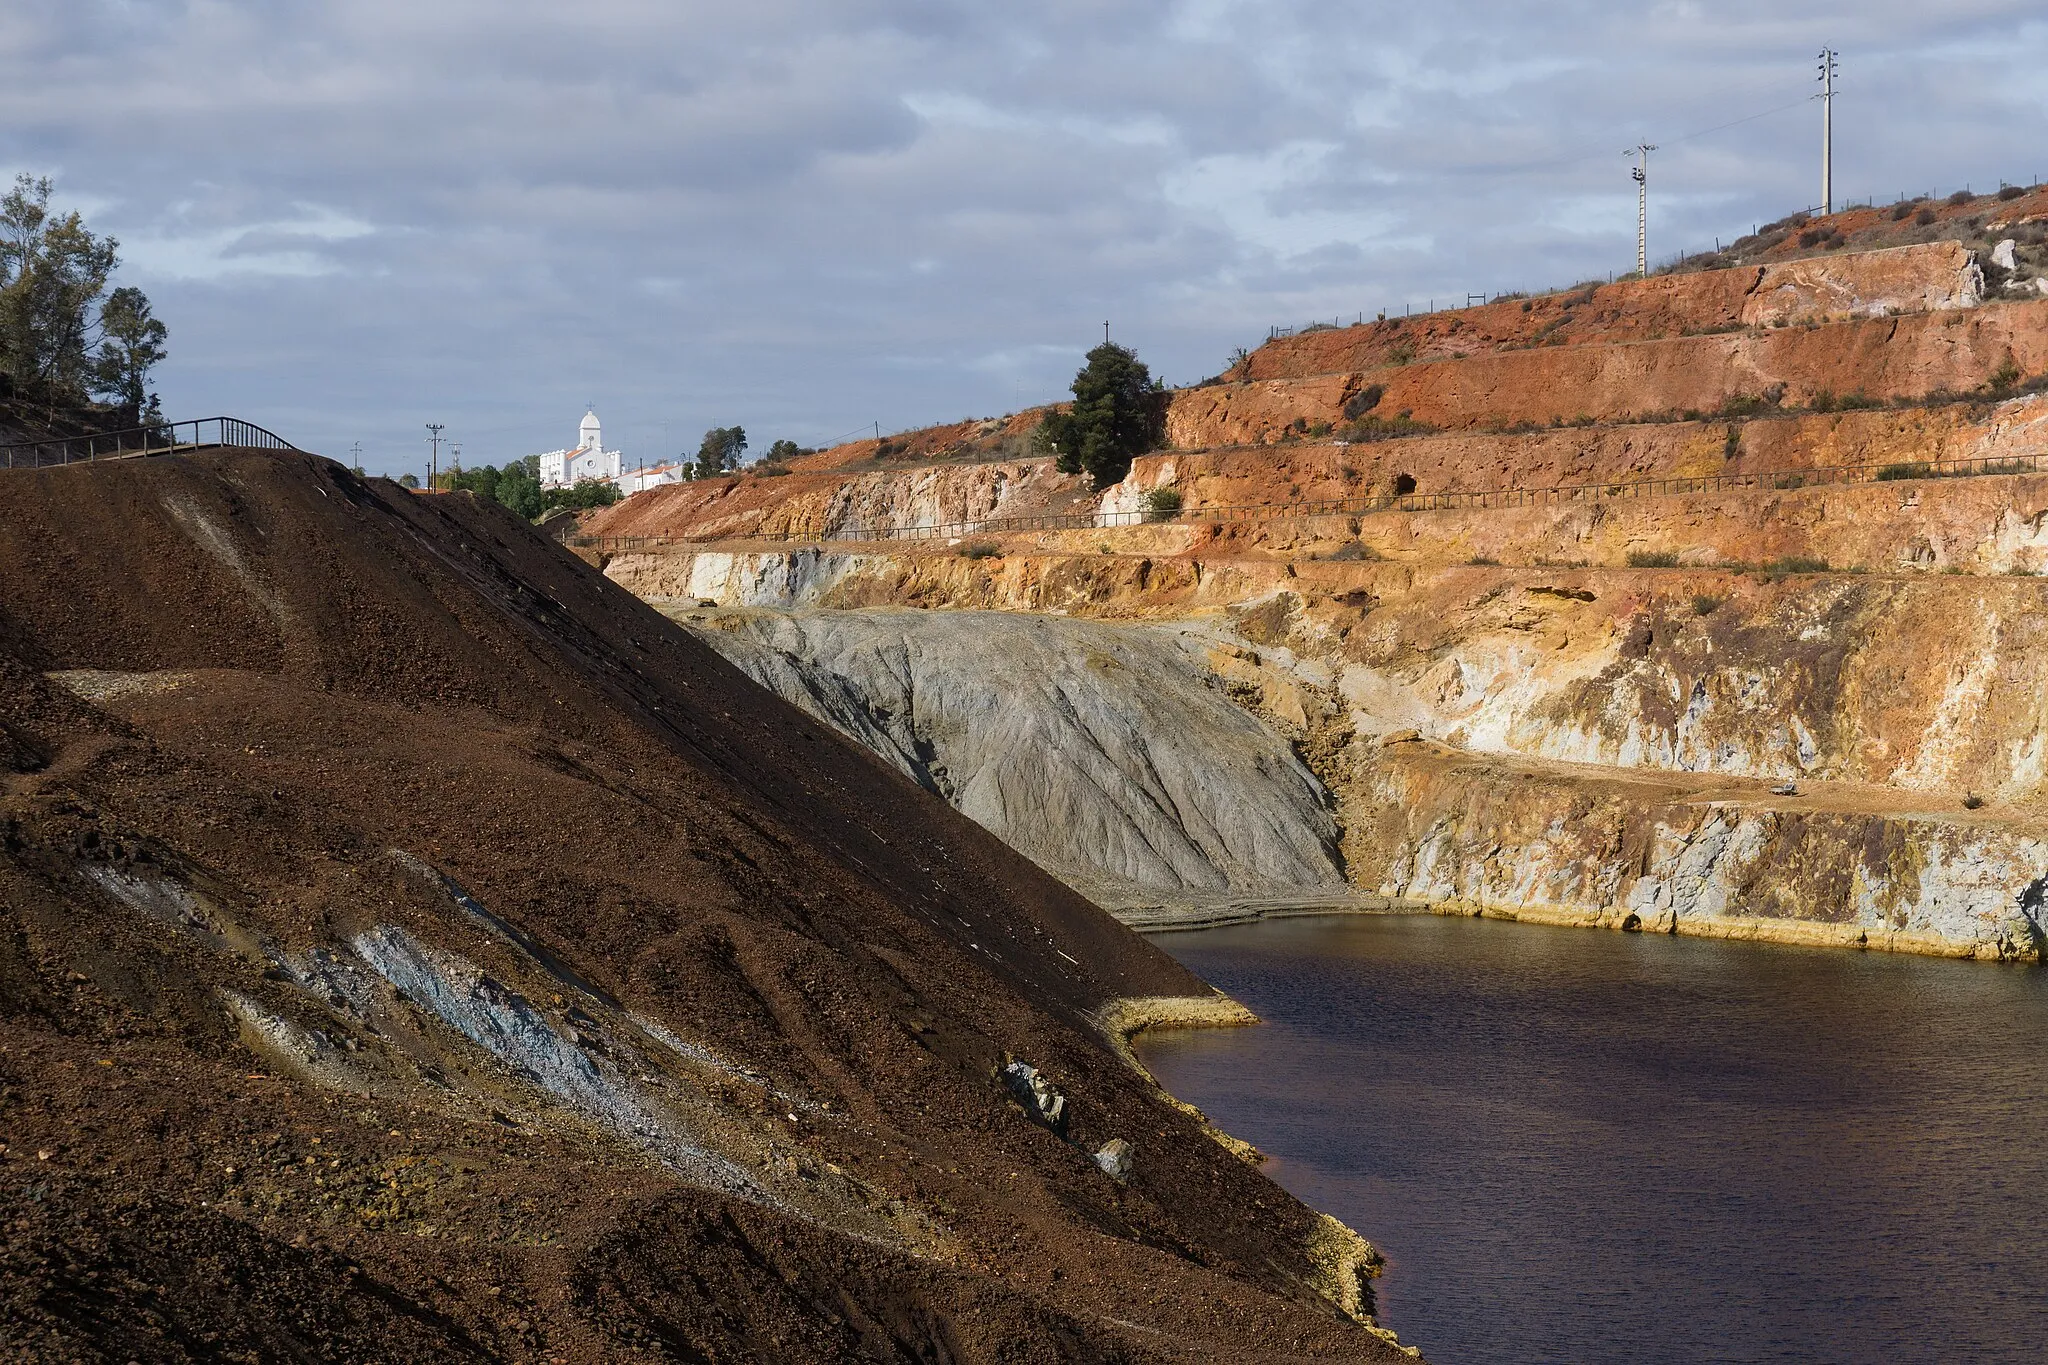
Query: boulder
point(1115, 1158)
point(2003, 255)
point(1042, 1101)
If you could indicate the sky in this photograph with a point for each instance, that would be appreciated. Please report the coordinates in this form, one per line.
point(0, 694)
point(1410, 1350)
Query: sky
point(814, 218)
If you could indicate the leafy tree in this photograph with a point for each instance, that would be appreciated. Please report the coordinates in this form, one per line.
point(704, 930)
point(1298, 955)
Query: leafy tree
point(1115, 417)
point(720, 452)
point(58, 340)
point(408, 480)
point(132, 344)
point(584, 496)
point(782, 452)
point(517, 486)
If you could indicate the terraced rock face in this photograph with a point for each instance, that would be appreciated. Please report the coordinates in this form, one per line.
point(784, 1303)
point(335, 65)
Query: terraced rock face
point(1932, 277)
point(1110, 756)
point(414, 948)
point(1576, 706)
point(1879, 359)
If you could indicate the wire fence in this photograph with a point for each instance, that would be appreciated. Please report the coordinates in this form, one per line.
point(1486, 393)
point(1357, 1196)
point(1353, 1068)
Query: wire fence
point(1487, 500)
point(160, 438)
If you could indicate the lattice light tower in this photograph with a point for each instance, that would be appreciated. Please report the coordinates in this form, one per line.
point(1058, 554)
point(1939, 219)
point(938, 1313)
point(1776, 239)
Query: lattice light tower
point(1641, 151)
point(1827, 130)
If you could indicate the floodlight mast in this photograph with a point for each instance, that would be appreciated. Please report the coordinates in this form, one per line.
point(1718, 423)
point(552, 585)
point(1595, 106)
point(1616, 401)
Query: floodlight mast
point(1641, 172)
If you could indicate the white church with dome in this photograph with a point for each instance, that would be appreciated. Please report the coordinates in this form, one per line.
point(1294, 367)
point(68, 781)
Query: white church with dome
point(588, 460)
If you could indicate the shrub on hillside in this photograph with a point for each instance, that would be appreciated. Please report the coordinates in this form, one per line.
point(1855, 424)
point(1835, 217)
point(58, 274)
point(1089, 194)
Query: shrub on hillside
point(1652, 559)
point(2011, 192)
point(1355, 550)
point(1162, 504)
point(1925, 217)
point(1704, 604)
point(1750, 404)
point(980, 549)
point(1960, 198)
point(1376, 428)
point(1904, 469)
point(1364, 401)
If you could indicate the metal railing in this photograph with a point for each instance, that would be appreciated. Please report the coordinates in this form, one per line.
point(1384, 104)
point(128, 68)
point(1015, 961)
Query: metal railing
point(1484, 500)
point(161, 438)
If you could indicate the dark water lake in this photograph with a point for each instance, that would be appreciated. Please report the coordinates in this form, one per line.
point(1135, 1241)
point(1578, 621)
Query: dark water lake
point(1588, 1147)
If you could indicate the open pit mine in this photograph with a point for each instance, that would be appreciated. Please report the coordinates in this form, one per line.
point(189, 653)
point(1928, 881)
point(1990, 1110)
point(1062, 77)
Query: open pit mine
point(1701, 604)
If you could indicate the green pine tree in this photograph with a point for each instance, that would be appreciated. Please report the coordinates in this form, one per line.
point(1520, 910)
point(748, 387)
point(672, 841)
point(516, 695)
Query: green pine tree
point(1115, 417)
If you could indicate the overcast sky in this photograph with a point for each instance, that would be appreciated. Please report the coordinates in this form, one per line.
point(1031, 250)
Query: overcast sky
point(809, 216)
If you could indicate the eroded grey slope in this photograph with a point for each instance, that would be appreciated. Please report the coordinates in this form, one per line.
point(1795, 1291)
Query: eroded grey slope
point(1108, 754)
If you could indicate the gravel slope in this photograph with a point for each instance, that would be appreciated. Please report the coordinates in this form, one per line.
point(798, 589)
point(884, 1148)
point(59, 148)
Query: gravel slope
point(412, 947)
point(1109, 755)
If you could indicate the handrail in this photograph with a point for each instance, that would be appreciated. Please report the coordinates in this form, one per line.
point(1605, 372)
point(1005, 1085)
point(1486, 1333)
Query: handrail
point(161, 438)
point(1489, 499)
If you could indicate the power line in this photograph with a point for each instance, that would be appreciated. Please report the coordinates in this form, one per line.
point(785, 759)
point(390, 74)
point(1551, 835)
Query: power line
point(1674, 141)
point(1719, 127)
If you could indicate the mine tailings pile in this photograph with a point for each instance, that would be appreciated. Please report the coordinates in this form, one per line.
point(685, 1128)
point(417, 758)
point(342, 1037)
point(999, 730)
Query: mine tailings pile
point(414, 947)
point(1766, 668)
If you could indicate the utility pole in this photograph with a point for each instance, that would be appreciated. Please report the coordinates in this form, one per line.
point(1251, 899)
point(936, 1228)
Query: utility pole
point(1827, 131)
point(434, 466)
point(455, 455)
point(1105, 334)
point(1641, 172)
point(356, 456)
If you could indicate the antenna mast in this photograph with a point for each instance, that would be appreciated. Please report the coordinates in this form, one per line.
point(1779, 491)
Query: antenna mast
point(1827, 131)
point(1641, 172)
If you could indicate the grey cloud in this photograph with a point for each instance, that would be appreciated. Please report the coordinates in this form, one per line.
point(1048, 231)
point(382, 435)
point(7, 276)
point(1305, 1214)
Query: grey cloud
point(804, 215)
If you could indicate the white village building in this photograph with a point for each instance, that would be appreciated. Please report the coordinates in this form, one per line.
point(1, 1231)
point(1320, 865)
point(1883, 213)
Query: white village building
point(589, 459)
point(639, 480)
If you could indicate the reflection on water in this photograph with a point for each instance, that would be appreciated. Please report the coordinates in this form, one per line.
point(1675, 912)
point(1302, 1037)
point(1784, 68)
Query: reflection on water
point(1587, 1147)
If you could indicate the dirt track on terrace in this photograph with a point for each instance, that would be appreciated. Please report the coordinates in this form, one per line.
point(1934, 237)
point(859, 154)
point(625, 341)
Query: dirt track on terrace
point(267, 730)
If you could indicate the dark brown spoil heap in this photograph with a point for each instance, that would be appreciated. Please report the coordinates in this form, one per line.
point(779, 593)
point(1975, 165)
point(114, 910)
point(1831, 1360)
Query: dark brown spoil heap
point(678, 941)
